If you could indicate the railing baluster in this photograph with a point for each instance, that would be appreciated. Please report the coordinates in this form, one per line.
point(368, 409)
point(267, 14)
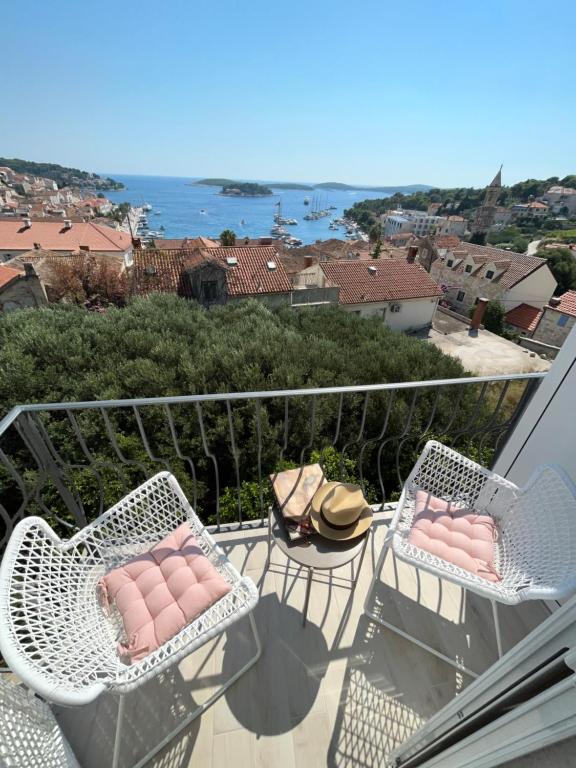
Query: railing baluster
point(10, 520)
point(116, 447)
point(258, 405)
point(145, 442)
point(211, 456)
point(183, 457)
point(235, 456)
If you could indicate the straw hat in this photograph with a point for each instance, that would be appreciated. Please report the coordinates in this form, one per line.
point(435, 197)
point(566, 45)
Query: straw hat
point(340, 511)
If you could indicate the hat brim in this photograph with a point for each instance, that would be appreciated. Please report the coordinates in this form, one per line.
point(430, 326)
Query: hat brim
point(359, 527)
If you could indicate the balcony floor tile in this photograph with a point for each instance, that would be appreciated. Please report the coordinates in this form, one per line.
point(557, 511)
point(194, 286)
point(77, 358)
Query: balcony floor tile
point(342, 691)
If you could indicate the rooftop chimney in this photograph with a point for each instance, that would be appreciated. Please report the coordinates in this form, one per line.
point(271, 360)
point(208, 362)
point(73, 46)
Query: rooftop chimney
point(478, 315)
point(27, 223)
point(372, 269)
point(67, 224)
point(308, 261)
point(412, 253)
point(554, 301)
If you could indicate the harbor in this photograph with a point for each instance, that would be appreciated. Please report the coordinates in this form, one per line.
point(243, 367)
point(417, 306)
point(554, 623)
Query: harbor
point(173, 207)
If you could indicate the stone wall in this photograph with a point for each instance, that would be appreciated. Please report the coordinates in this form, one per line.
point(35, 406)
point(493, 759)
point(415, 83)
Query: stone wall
point(471, 286)
point(25, 291)
point(548, 329)
point(547, 350)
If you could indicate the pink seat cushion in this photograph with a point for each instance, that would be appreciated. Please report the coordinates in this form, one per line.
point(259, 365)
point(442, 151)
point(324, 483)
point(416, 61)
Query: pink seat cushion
point(458, 536)
point(160, 591)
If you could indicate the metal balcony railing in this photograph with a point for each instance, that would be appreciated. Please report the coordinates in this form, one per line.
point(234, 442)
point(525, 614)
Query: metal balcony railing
point(68, 462)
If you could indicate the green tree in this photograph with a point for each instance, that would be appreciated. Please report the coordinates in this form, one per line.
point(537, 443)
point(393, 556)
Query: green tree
point(228, 237)
point(493, 317)
point(562, 265)
point(377, 250)
point(165, 345)
point(375, 233)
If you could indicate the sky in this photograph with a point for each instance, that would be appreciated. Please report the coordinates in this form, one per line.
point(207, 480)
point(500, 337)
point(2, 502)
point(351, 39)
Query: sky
point(361, 92)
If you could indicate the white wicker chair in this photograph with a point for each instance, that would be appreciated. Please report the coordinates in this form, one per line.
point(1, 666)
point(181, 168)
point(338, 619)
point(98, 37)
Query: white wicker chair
point(29, 734)
point(535, 554)
point(55, 635)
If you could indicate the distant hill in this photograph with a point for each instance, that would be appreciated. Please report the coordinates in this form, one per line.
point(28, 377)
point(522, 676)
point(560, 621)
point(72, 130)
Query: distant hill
point(62, 175)
point(406, 189)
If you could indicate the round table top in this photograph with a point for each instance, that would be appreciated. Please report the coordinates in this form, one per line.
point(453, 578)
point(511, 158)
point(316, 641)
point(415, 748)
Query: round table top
point(316, 551)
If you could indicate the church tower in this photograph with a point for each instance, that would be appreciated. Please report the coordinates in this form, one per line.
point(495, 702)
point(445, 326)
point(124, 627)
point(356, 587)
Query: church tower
point(485, 215)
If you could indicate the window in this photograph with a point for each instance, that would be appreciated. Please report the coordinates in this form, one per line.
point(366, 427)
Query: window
point(490, 274)
point(468, 268)
point(562, 320)
point(450, 262)
point(209, 290)
point(460, 297)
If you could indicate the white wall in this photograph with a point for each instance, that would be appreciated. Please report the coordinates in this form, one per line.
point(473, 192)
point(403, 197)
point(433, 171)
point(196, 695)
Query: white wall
point(535, 289)
point(414, 313)
point(546, 432)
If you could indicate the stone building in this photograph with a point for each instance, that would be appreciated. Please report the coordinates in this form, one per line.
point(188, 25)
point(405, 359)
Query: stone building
point(213, 276)
point(484, 218)
point(20, 290)
point(469, 271)
point(553, 322)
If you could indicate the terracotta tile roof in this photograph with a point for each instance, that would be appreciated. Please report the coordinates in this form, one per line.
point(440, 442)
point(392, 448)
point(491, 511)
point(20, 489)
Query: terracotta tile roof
point(521, 265)
point(524, 316)
point(157, 271)
point(53, 236)
point(393, 279)
point(7, 274)
point(251, 275)
point(164, 271)
point(446, 241)
point(183, 243)
point(567, 303)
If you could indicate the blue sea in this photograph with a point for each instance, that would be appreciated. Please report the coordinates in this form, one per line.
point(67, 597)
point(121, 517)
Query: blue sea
point(187, 209)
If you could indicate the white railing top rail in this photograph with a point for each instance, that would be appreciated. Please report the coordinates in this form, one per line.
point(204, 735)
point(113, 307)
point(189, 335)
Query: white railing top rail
point(264, 395)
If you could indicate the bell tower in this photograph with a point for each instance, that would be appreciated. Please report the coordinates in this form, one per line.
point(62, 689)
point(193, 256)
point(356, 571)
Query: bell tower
point(485, 215)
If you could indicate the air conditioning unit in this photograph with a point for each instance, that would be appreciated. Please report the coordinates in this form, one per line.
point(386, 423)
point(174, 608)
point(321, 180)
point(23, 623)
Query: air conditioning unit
point(395, 307)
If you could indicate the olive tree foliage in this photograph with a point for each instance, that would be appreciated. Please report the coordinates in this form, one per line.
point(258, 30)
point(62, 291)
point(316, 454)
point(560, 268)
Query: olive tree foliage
point(164, 345)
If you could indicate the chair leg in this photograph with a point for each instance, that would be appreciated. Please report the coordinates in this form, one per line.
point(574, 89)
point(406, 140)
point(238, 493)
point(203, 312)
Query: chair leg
point(497, 627)
point(118, 737)
point(211, 700)
point(379, 620)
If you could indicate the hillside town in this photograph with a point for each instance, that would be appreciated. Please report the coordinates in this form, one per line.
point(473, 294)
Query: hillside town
point(424, 274)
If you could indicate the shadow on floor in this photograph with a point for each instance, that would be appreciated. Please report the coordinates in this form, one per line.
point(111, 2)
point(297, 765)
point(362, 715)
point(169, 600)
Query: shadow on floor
point(151, 712)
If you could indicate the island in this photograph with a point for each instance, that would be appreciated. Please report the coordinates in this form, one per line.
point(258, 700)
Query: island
point(217, 182)
point(245, 189)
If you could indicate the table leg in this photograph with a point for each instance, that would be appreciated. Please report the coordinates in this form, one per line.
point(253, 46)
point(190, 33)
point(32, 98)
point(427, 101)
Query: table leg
point(359, 566)
point(307, 599)
point(269, 539)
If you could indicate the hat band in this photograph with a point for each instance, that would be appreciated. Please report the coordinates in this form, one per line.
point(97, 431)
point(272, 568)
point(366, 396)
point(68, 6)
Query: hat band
point(338, 527)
